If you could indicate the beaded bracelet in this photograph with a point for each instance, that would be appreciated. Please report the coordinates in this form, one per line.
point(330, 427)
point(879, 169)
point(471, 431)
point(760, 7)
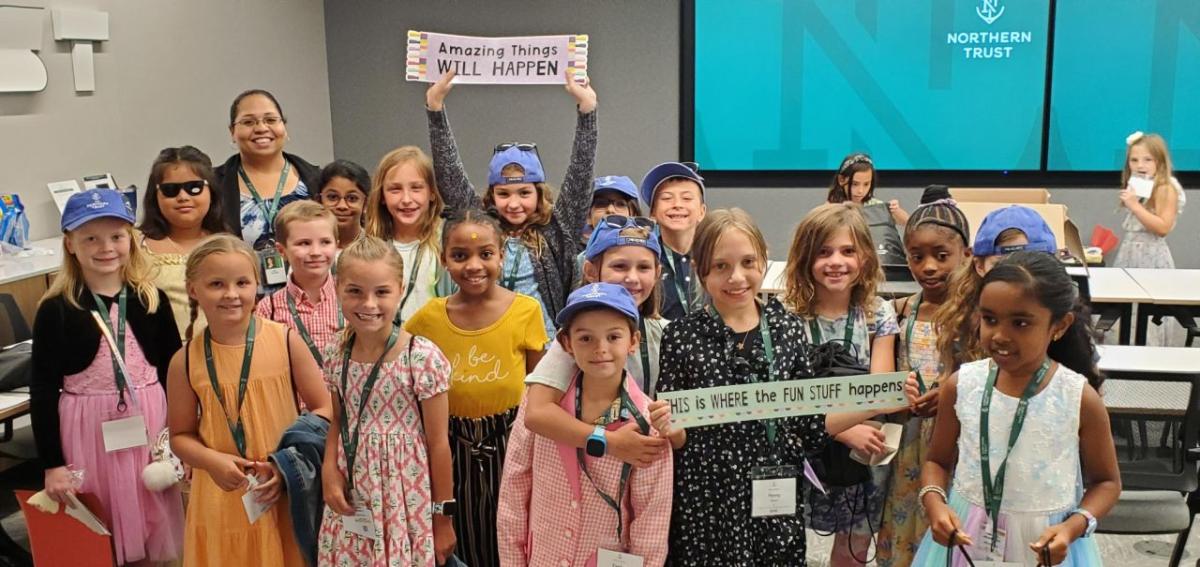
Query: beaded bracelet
point(931, 488)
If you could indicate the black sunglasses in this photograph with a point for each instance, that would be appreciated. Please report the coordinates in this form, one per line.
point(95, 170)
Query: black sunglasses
point(622, 221)
point(193, 188)
point(523, 146)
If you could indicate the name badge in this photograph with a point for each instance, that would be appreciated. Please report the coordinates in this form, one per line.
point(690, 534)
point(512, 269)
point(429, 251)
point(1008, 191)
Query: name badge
point(609, 558)
point(273, 269)
point(990, 548)
point(362, 523)
point(773, 491)
point(124, 433)
point(254, 508)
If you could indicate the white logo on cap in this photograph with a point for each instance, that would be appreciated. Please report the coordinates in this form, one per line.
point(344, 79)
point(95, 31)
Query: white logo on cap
point(595, 293)
point(96, 202)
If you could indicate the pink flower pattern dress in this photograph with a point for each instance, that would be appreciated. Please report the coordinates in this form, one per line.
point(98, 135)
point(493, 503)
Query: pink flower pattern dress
point(391, 472)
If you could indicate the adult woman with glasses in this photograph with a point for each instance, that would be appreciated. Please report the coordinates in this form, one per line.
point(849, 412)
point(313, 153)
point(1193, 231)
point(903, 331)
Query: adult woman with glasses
point(181, 209)
point(261, 178)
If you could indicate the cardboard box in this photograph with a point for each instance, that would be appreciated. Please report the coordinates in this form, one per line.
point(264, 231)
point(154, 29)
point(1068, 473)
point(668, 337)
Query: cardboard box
point(1019, 196)
point(1066, 234)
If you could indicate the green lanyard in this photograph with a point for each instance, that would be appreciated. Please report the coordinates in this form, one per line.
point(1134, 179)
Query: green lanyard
point(300, 328)
point(847, 337)
point(645, 358)
point(236, 429)
point(119, 335)
point(412, 278)
point(912, 321)
point(626, 469)
point(350, 441)
point(268, 211)
point(684, 299)
point(764, 331)
point(510, 280)
point(993, 494)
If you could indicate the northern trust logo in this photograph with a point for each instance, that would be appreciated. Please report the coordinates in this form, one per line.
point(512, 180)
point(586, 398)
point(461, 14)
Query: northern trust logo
point(989, 10)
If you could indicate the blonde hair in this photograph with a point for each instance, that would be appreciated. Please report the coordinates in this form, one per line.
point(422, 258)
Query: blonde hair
point(222, 243)
point(137, 273)
point(379, 221)
point(370, 249)
point(714, 227)
point(817, 227)
point(1157, 148)
point(541, 214)
point(301, 211)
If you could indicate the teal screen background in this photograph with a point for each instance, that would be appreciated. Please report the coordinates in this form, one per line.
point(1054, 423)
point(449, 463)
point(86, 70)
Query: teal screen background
point(798, 84)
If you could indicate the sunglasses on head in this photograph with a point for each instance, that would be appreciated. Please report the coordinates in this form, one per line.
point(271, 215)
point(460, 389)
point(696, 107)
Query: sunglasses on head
point(193, 188)
point(525, 147)
point(622, 221)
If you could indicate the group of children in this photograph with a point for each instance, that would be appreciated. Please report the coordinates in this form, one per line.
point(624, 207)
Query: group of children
point(458, 379)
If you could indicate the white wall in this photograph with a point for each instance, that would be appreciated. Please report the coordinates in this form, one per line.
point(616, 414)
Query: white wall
point(166, 78)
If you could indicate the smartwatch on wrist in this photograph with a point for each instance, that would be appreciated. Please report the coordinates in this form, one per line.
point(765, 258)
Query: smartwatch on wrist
point(597, 444)
point(448, 508)
point(1091, 521)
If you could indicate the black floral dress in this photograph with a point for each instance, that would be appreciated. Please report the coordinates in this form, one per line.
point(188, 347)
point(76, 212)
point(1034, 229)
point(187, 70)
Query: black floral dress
point(711, 522)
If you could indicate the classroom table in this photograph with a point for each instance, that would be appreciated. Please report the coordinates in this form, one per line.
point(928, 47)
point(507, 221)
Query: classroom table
point(1113, 294)
point(27, 275)
point(1173, 292)
point(1168, 397)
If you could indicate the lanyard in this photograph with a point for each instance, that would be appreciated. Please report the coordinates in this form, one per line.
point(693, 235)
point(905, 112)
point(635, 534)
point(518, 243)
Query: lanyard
point(236, 429)
point(510, 280)
point(912, 322)
point(645, 357)
point(300, 328)
point(122, 380)
point(847, 337)
point(626, 468)
point(994, 493)
point(350, 441)
point(268, 211)
point(412, 278)
point(764, 331)
point(684, 299)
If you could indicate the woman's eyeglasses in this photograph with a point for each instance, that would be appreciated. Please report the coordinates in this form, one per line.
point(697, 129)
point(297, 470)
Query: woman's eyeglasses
point(193, 188)
point(269, 120)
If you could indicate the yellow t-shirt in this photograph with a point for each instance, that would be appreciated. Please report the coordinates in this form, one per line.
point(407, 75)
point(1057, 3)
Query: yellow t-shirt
point(487, 373)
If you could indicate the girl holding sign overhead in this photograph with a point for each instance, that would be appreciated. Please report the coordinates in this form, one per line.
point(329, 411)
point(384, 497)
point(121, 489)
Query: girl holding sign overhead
point(541, 235)
point(233, 392)
point(94, 406)
point(738, 499)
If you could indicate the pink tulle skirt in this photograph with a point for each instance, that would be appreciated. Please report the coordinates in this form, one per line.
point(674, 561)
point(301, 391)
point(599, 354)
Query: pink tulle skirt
point(145, 524)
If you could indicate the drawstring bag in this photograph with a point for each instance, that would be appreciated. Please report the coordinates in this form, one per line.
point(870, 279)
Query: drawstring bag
point(834, 465)
point(888, 244)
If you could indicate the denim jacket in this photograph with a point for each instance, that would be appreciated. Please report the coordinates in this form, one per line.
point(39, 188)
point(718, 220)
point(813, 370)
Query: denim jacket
point(299, 456)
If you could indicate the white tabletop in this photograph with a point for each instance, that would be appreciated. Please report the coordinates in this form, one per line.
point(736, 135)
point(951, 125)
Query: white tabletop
point(45, 256)
point(1115, 285)
point(1168, 286)
point(1148, 359)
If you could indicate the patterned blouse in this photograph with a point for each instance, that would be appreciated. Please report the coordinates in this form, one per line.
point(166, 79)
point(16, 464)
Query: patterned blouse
point(711, 522)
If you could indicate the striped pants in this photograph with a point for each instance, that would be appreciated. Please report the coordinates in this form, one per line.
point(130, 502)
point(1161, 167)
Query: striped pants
point(478, 447)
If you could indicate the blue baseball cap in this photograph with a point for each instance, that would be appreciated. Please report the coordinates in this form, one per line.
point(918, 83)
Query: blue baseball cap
point(95, 204)
point(527, 159)
point(606, 236)
point(618, 183)
point(1024, 219)
point(607, 295)
point(664, 171)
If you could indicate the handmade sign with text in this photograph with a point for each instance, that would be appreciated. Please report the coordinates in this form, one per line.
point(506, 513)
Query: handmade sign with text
point(533, 60)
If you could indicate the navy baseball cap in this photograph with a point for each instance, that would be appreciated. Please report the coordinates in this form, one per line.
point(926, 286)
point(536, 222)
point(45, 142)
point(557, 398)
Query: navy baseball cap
point(1025, 219)
point(527, 159)
point(664, 171)
point(606, 236)
point(607, 295)
point(618, 183)
point(95, 204)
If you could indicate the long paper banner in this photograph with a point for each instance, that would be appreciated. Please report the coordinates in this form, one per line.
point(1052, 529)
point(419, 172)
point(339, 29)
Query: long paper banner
point(786, 398)
point(533, 60)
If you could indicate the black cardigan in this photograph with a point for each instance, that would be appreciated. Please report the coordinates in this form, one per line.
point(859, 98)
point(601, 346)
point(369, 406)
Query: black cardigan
point(227, 184)
point(66, 341)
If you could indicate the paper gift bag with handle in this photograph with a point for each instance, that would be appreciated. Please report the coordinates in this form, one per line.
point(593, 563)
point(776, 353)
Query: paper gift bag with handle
point(60, 539)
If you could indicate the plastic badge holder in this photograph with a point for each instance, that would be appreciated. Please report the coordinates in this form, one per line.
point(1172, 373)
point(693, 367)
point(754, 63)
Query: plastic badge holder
point(1143, 187)
point(892, 433)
